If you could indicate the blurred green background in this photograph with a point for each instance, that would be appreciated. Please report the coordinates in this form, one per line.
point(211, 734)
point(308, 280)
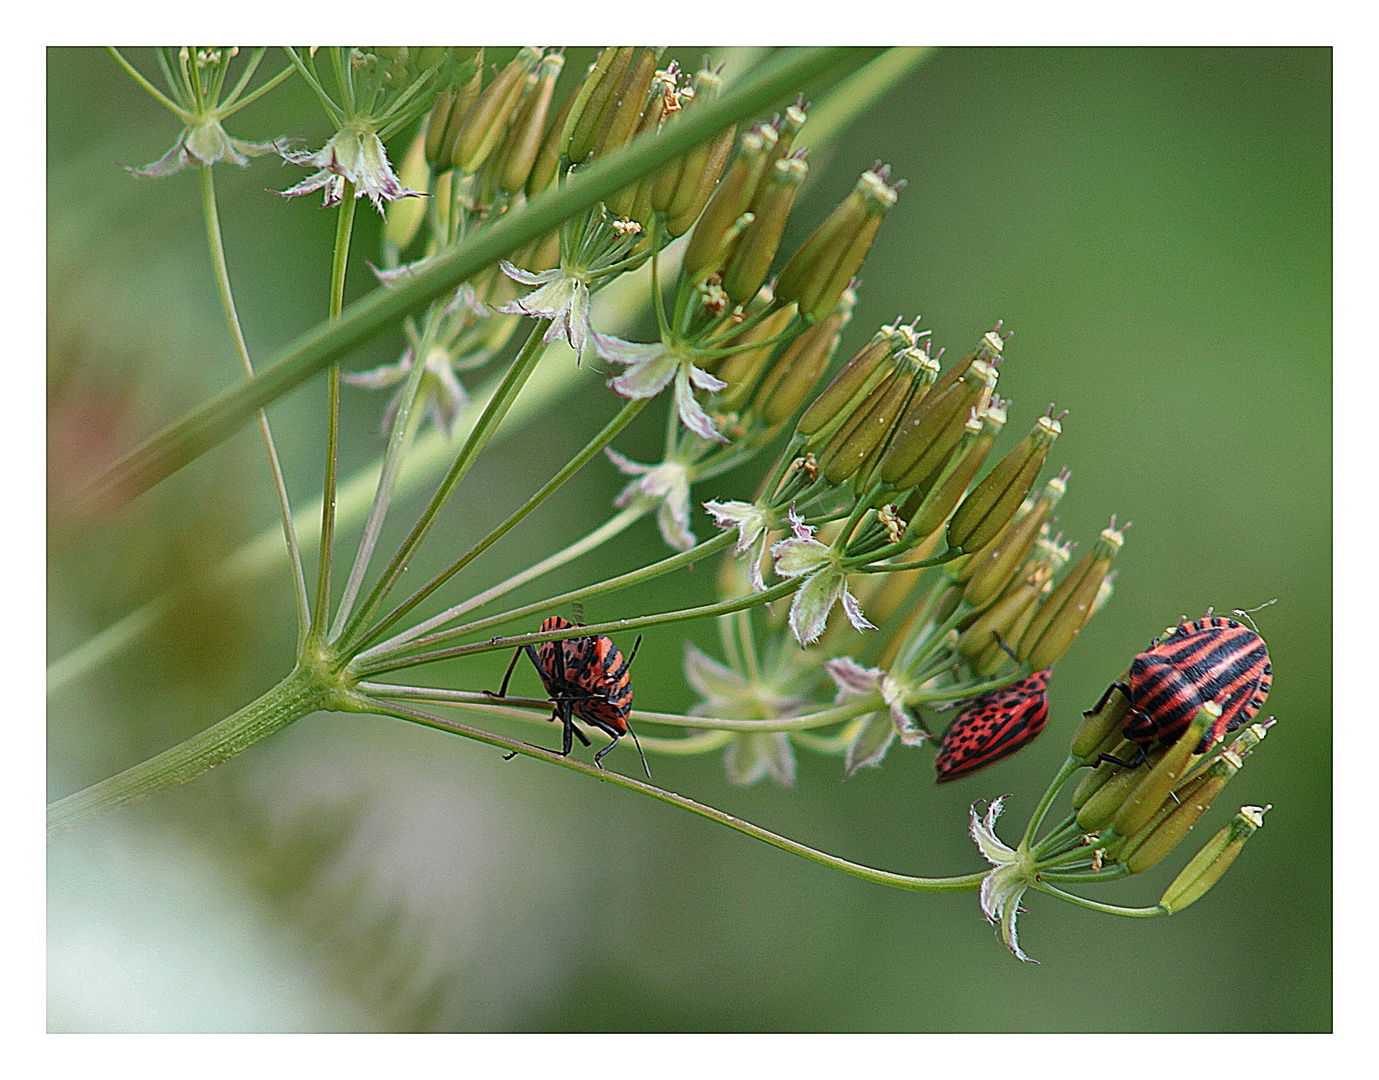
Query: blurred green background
point(1154, 226)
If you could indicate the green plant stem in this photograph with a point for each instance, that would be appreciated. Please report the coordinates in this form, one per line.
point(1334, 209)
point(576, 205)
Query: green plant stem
point(521, 708)
point(617, 626)
point(302, 692)
point(227, 303)
point(1094, 905)
point(964, 883)
point(207, 426)
point(704, 743)
point(149, 88)
point(1069, 766)
point(399, 438)
point(605, 532)
point(610, 431)
point(523, 364)
point(364, 661)
point(343, 228)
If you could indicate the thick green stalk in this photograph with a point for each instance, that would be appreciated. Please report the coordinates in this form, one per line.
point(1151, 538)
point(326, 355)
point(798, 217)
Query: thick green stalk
point(302, 692)
point(212, 423)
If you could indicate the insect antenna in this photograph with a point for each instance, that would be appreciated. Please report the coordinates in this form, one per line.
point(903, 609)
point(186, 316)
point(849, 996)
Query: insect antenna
point(1247, 612)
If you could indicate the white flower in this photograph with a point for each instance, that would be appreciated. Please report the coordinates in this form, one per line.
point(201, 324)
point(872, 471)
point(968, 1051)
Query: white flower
point(562, 298)
point(354, 155)
point(730, 696)
point(874, 738)
point(752, 524)
point(203, 143)
point(825, 584)
point(667, 483)
point(649, 371)
point(445, 398)
point(1003, 886)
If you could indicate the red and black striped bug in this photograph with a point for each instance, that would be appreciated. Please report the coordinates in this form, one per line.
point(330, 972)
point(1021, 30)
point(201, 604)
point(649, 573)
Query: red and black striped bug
point(1210, 659)
point(994, 726)
point(585, 677)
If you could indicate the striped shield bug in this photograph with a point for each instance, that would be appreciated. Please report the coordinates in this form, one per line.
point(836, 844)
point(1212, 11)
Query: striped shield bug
point(1209, 659)
point(585, 677)
point(994, 726)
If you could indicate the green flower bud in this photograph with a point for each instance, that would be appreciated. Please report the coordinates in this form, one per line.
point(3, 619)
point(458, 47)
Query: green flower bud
point(819, 272)
point(1061, 618)
point(528, 129)
point(1213, 860)
point(488, 120)
point(978, 436)
point(448, 116)
point(930, 429)
point(751, 262)
point(1148, 796)
point(800, 364)
point(993, 502)
point(704, 254)
point(991, 568)
point(842, 395)
point(602, 84)
point(1098, 725)
point(1103, 804)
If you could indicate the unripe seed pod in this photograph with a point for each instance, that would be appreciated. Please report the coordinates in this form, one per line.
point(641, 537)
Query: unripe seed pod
point(801, 363)
point(448, 115)
point(529, 126)
point(870, 423)
point(406, 215)
point(828, 260)
point(995, 658)
point(728, 203)
point(603, 83)
point(740, 371)
point(786, 128)
point(634, 201)
point(987, 350)
point(751, 262)
point(1061, 618)
point(546, 167)
point(622, 110)
point(1096, 726)
point(699, 177)
point(488, 120)
point(927, 372)
point(992, 567)
point(963, 466)
point(858, 375)
point(1090, 784)
point(931, 428)
point(1144, 801)
point(1213, 860)
point(993, 502)
point(948, 603)
point(1096, 813)
point(1148, 847)
point(1001, 616)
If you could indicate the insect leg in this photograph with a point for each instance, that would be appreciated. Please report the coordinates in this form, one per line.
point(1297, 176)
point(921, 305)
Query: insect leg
point(1122, 687)
point(507, 676)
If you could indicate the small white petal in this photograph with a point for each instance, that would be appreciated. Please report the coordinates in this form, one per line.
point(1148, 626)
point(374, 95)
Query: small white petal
point(527, 277)
point(692, 414)
point(625, 465)
point(852, 679)
point(708, 677)
point(797, 525)
point(646, 378)
point(853, 611)
point(705, 381)
point(813, 601)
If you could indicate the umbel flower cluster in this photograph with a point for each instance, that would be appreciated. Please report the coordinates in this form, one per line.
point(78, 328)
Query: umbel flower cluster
point(893, 577)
